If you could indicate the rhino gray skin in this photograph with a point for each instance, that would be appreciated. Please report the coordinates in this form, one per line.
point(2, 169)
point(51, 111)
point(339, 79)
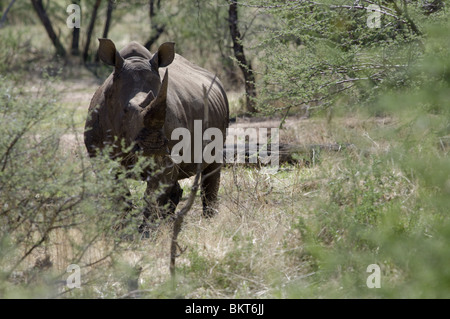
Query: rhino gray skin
point(135, 106)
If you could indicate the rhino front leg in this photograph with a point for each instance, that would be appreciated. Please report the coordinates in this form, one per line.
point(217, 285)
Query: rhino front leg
point(160, 208)
point(210, 189)
point(125, 206)
point(173, 198)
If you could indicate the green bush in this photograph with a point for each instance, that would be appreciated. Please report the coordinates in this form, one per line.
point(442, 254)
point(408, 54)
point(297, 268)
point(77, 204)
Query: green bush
point(55, 211)
point(320, 55)
point(390, 208)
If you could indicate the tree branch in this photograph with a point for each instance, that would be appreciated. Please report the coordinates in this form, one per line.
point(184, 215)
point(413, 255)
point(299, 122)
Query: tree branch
point(3, 19)
point(39, 8)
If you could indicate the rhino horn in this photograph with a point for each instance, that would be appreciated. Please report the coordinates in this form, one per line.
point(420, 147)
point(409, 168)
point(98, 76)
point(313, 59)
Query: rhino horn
point(108, 53)
point(155, 113)
point(148, 99)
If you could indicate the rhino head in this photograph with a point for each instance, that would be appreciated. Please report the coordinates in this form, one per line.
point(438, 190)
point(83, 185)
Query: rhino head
point(136, 97)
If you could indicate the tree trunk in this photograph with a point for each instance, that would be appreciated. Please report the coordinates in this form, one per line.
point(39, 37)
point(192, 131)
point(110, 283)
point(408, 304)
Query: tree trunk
point(108, 18)
point(75, 48)
point(245, 65)
point(107, 23)
point(156, 29)
point(287, 153)
point(39, 8)
point(90, 29)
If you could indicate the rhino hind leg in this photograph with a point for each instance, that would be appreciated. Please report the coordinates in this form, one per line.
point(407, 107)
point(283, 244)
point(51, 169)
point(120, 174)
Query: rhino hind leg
point(210, 189)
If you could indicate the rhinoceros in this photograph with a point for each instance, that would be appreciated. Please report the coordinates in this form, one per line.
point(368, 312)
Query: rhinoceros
point(135, 112)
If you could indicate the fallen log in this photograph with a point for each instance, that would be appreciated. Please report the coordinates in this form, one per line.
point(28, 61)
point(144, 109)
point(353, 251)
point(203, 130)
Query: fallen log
point(287, 153)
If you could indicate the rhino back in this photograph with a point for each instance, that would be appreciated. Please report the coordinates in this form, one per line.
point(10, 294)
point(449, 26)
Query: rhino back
point(185, 96)
point(135, 49)
point(185, 103)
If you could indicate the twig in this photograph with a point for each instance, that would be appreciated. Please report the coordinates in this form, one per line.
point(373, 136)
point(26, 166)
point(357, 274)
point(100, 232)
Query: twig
point(179, 217)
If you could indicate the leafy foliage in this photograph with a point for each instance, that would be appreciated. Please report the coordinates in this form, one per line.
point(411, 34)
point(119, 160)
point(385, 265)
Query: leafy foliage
point(316, 53)
point(54, 210)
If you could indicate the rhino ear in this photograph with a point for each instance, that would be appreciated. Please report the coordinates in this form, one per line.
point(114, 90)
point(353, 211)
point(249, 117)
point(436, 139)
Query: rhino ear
point(107, 53)
point(164, 56)
point(155, 113)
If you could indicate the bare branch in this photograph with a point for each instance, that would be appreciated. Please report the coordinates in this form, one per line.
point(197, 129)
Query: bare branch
point(42, 14)
point(179, 216)
point(3, 19)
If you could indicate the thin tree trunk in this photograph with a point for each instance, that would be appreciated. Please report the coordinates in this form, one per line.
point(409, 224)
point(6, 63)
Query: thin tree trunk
point(75, 48)
point(108, 18)
point(238, 48)
point(156, 29)
point(39, 8)
point(90, 29)
point(107, 23)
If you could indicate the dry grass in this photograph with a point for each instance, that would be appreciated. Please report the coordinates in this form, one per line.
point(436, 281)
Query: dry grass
point(252, 248)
